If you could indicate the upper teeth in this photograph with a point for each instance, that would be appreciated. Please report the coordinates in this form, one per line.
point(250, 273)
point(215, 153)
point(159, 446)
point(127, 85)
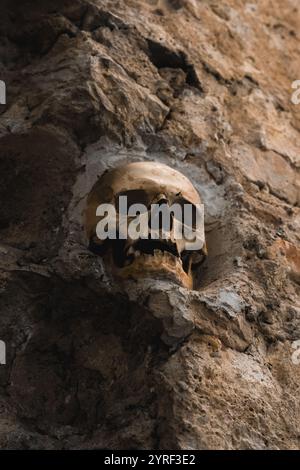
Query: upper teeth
point(180, 245)
point(131, 251)
point(156, 253)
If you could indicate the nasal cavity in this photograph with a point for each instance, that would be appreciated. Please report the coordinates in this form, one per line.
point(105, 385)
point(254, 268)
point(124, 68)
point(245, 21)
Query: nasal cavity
point(160, 216)
point(161, 199)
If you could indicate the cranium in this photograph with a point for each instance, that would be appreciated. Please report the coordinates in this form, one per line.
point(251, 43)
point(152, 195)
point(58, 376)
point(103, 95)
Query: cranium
point(161, 256)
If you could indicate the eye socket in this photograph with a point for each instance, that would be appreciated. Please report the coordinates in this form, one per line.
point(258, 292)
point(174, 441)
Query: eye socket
point(189, 212)
point(134, 196)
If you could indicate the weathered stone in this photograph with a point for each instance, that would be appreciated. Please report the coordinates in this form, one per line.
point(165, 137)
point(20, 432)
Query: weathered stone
point(205, 88)
point(288, 254)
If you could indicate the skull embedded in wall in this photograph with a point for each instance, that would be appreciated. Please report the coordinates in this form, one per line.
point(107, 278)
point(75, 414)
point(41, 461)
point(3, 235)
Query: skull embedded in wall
point(159, 254)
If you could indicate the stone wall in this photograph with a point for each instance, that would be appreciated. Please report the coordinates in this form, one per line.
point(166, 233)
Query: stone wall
point(204, 86)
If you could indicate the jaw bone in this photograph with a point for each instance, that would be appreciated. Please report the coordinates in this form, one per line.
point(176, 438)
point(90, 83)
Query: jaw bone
point(161, 263)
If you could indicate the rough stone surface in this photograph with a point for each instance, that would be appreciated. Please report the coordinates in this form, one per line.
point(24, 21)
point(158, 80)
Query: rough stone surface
point(205, 87)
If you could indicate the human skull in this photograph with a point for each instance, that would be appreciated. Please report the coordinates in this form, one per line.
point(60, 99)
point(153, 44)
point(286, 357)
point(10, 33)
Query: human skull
point(161, 254)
